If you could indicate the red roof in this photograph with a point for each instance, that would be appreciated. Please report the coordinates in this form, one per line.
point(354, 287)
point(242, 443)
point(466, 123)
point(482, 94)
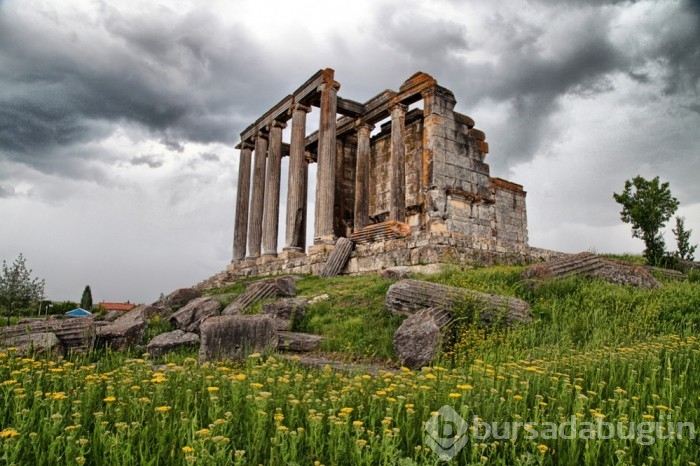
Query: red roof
point(116, 306)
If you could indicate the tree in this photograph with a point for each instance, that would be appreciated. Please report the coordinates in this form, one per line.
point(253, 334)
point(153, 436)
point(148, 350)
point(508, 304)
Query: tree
point(86, 300)
point(647, 205)
point(685, 250)
point(17, 287)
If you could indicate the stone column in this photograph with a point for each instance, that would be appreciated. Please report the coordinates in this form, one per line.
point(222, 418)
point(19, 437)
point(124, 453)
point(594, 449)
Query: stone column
point(305, 214)
point(339, 226)
point(272, 190)
point(240, 230)
point(257, 200)
point(325, 174)
point(296, 197)
point(362, 176)
point(397, 209)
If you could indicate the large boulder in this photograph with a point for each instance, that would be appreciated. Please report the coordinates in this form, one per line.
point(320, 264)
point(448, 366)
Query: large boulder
point(170, 341)
point(417, 340)
point(298, 342)
point(125, 332)
point(180, 297)
point(234, 337)
point(190, 317)
point(286, 312)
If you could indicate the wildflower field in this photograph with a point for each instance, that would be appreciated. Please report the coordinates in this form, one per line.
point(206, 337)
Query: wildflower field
point(596, 353)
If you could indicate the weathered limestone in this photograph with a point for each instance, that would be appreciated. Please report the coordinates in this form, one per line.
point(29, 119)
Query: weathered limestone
point(397, 210)
point(362, 175)
point(272, 194)
point(179, 298)
point(190, 317)
point(325, 172)
point(240, 232)
point(234, 337)
point(256, 291)
point(417, 341)
point(257, 201)
point(75, 333)
point(406, 297)
point(591, 265)
point(286, 312)
point(170, 341)
point(338, 258)
point(381, 232)
point(298, 173)
point(298, 342)
point(36, 343)
point(425, 168)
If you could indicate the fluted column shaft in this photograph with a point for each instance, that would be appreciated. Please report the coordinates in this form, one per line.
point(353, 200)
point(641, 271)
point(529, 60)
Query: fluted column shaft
point(272, 190)
point(296, 193)
point(339, 225)
point(361, 215)
point(257, 200)
point(397, 209)
point(325, 173)
point(240, 230)
point(305, 213)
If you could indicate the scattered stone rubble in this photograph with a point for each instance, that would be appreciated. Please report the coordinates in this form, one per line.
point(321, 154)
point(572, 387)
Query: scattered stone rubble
point(591, 265)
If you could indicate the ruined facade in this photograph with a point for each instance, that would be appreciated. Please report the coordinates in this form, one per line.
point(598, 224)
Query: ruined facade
point(417, 191)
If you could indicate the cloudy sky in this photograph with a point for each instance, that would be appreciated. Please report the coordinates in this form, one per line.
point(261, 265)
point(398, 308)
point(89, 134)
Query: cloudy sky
point(118, 118)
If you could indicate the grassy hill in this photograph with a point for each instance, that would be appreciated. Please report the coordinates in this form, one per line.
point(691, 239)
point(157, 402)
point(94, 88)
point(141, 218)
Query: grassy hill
point(595, 353)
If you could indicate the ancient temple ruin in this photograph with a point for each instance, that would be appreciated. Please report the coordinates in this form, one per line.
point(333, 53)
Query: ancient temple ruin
point(417, 191)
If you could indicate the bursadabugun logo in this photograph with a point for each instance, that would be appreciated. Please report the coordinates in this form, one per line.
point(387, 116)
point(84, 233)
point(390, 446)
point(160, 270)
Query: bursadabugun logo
point(446, 433)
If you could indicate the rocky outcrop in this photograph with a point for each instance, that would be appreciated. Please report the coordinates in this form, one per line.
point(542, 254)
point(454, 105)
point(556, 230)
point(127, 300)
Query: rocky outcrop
point(170, 341)
point(337, 258)
point(75, 333)
point(190, 317)
point(298, 342)
point(262, 289)
point(406, 297)
point(417, 340)
point(286, 312)
point(235, 336)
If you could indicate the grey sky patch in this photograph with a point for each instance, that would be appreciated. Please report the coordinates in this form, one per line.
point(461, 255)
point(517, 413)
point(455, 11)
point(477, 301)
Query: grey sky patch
point(152, 161)
point(209, 157)
point(6, 192)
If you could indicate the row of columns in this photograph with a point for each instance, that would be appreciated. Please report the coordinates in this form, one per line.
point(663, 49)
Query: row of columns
point(257, 215)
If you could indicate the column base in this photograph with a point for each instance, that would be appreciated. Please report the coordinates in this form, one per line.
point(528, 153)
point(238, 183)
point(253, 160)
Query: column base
point(291, 253)
point(251, 258)
point(326, 240)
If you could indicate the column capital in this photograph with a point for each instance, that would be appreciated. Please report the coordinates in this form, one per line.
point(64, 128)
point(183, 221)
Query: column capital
point(298, 106)
point(329, 85)
point(278, 124)
point(263, 133)
point(362, 125)
point(398, 107)
point(246, 145)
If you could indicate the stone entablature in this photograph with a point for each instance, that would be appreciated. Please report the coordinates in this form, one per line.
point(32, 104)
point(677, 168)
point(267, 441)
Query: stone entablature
point(424, 167)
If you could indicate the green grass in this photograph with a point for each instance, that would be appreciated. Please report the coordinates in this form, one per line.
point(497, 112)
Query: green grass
point(594, 352)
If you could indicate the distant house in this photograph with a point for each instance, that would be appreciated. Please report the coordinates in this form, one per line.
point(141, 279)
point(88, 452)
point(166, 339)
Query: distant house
point(79, 312)
point(116, 306)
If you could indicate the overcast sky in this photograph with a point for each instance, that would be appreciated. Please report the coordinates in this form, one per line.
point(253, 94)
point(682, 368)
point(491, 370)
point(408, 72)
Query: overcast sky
point(118, 118)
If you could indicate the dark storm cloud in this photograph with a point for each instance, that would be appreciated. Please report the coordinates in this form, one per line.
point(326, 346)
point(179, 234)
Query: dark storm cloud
point(153, 161)
point(678, 49)
point(187, 78)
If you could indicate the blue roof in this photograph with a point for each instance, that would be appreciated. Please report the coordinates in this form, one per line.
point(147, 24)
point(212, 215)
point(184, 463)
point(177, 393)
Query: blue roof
point(79, 312)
